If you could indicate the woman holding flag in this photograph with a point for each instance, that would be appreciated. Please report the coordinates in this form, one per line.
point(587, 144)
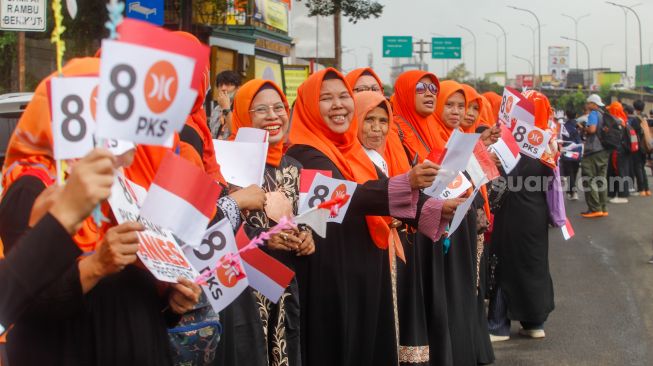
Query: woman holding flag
point(345, 287)
point(275, 327)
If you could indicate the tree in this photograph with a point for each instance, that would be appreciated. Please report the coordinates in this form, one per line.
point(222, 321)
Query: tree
point(354, 10)
point(572, 102)
point(458, 73)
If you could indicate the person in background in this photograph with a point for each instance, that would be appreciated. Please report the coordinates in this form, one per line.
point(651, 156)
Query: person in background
point(638, 122)
point(594, 165)
point(228, 82)
point(570, 159)
point(619, 164)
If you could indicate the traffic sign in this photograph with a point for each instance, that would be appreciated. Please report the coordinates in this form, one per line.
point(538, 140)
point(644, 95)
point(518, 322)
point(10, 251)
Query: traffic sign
point(397, 46)
point(26, 16)
point(446, 48)
point(147, 10)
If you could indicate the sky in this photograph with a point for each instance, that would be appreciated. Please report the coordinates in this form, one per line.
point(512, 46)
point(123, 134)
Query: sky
point(603, 31)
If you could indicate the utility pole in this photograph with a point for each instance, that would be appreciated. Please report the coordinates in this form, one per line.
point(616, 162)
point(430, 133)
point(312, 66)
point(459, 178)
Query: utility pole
point(421, 43)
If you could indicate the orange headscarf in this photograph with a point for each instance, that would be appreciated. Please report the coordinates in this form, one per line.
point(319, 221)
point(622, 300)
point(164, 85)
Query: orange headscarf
point(487, 119)
point(405, 115)
point(543, 114)
point(495, 102)
point(354, 75)
point(447, 89)
point(617, 110)
point(472, 95)
point(393, 153)
point(343, 149)
point(197, 121)
point(241, 118)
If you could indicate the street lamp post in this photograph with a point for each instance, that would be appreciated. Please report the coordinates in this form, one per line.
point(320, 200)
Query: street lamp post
point(370, 57)
point(576, 21)
point(496, 38)
point(539, 40)
point(639, 23)
point(475, 53)
point(527, 60)
point(603, 49)
point(589, 70)
point(505, 47)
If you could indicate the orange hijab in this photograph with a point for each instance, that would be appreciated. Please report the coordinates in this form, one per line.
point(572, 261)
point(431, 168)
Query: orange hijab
point(472, 95)
point(393, 153)
point(241, 118)
point(343, 149)
point(447, 89)
point(495, 102)
point(543, 114)
point(354, 75)
point(197, 120)
point(617, 109)
point(405, 115)
point(487, 119)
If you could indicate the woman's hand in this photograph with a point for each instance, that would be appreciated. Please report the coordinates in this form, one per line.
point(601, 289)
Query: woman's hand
point(422, 175)
point(249, 198)
point(287, 240)
point(491, 135)
point(450, 206)
point(184, 296)
point(89, 184)
point(43, 203)
point(307, 246)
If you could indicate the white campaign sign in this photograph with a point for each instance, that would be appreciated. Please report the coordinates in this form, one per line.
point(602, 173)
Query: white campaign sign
point(461, 211)
point(73, 124)
point(145, 94)
point(324, 189)
point(459, 150)
point(532, 141)
point(227, 282)
point(512, 108)
point(158, 249)
point(457, 187)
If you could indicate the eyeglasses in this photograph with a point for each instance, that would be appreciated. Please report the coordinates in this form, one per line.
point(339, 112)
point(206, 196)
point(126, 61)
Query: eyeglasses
point(364, 88)
point(421, 88)
point(262, 110)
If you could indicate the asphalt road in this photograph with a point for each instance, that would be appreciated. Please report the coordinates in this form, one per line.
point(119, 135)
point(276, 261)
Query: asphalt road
point(603, 293)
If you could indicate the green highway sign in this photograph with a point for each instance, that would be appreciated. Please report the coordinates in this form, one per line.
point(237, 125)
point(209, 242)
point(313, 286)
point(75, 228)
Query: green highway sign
point(397, 46)
point(446, 48)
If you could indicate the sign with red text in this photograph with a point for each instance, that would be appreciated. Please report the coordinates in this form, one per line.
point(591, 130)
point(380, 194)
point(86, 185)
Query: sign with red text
point(228, 279)
point(324, 189)
point(145, 93)
point(158, 250)
point(532, 141)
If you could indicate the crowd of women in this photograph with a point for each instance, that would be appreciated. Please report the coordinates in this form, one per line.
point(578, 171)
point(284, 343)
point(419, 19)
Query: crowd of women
point(388, 286)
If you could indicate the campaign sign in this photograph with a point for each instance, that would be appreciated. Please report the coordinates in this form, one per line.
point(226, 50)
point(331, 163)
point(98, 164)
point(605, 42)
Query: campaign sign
point(158, 250)
point(227, 281)
point(145, 94)
point(515, 107)
point(73, 123)
point(457, 187)
point(532, 141)
point(324, 189)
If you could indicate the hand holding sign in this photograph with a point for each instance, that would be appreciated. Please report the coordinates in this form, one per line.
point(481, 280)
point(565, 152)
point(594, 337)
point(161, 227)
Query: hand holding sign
point(422, 175)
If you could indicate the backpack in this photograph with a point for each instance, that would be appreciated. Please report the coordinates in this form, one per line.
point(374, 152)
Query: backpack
point(610, 131)
point(631, 142)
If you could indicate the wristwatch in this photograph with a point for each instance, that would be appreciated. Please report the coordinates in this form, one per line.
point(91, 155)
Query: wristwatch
point(225, 112)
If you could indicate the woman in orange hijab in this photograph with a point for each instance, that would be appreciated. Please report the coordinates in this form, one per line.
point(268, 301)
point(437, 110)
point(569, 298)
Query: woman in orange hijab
point(495, 102)
point(345, 287)
point(364, 79)
point(261, 104)
point(100, 293)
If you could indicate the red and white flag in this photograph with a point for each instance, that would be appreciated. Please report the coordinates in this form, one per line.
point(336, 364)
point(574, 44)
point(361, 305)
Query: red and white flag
point(507, 149)
point(480, 167)
point(567, 230)
point(515, 107)
point(181, 198)
point(266, 274)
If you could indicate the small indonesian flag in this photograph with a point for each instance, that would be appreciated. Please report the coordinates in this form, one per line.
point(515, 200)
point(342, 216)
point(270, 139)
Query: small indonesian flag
point(480, 167)
point(509, 140)
point(567, 230)
point(507, 150)
point(266, 274)
point(316, 218)
point(181, 198)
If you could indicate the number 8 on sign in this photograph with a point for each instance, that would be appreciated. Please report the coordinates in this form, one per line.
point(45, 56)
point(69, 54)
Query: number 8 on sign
point(73, 124)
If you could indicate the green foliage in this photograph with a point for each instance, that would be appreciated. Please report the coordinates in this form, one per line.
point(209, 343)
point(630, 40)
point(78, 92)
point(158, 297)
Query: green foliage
point(458, 73)
point(483, 86)
point(572, 101)
point(606, 94)
point(354, 10)
point(8, 50)
point(83, 34)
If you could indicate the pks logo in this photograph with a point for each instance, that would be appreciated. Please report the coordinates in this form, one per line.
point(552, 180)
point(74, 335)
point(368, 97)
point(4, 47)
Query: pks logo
point(535, 138)
point(230, 272)
point(160, 86)
point(94, 102)
point(509, 104)
point(456, 183)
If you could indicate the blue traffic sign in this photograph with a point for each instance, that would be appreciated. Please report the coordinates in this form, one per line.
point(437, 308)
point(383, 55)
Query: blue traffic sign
point(147, 10)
